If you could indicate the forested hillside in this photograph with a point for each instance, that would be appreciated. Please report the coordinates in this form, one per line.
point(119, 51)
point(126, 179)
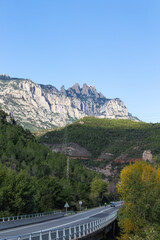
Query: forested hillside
point(124, 140)
point(33, 179)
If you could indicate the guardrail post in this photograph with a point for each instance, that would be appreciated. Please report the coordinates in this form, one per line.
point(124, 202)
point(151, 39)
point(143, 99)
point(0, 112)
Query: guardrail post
point(64, 233)
point(90, 227)
point(8, 218)
point(84, 230)
point(3, 219)
point(75, 232)
point(79, 229)
point(87, 229)
point(49, 235)
point(57, 234)
point(40, 236)
point(30, 237)
point(97, 224)
point(100, 223)
point(70, 234)
point(93, 226)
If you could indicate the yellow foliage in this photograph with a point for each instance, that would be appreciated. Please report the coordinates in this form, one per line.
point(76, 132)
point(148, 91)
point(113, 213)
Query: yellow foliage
point(141, 171)
point(158, 175)
point(148, 173)
point(128, 226)
point(139, 187)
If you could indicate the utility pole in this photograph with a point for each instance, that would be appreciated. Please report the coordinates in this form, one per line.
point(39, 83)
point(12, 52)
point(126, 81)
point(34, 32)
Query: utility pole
point(68, 168)
point(64, 150)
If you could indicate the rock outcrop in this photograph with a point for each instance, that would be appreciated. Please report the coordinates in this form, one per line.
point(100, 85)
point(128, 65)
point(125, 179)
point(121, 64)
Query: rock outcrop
point(71, 150)
point(43, 106)
point(147, 155)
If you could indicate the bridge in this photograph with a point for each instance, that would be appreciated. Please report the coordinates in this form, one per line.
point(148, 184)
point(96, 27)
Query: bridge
point(92, 224)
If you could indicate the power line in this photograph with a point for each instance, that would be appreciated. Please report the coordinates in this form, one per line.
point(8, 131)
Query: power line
point(64, 150)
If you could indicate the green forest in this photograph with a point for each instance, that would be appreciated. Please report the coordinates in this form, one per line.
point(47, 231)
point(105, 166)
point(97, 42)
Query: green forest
point(33, 179)
point(112, 136)
point(104, 135)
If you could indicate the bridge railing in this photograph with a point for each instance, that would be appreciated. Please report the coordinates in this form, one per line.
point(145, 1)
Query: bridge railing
point(70, 233)
point(13, 218)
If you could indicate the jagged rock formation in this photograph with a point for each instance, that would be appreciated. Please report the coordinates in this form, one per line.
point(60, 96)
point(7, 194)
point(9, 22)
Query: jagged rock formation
point(43, 106)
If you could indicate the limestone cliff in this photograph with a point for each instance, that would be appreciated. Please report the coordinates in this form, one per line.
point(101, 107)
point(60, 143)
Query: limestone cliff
point(43, 106)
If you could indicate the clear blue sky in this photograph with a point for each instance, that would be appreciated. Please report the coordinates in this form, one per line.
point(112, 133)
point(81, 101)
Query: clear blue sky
point(112, 44)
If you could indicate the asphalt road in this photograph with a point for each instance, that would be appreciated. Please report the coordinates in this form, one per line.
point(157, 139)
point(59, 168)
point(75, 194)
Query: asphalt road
point(63, 222)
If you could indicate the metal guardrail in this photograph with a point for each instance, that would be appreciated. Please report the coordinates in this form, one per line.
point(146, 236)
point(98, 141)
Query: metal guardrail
point(14, 218)
point(70, 233)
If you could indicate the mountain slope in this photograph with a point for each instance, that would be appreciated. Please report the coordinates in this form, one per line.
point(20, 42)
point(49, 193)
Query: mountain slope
point(43, 106)
point(108, 141)
point(33, 179)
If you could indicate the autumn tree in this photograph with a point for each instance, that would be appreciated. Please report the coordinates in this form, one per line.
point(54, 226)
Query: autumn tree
point(139, 187)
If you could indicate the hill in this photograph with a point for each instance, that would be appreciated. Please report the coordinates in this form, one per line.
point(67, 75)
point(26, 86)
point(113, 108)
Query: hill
point(38, 106)
point(110, 142)
point(33, 179)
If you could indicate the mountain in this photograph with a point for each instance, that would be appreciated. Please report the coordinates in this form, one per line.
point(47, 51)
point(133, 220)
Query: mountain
point(39, 106)
point(104, 144)
point(33, 178)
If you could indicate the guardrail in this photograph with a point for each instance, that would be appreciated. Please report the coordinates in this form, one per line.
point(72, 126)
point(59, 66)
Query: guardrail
point(70, 233)
point(14, 218)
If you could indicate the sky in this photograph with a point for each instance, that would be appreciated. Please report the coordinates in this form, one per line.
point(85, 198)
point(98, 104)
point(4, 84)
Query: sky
point(111, 44)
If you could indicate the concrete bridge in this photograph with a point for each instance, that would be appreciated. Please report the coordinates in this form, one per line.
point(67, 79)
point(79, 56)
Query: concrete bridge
point(95, 224)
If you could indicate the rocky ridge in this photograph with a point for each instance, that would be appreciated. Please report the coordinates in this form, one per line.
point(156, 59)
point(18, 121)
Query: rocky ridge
point(43, 106)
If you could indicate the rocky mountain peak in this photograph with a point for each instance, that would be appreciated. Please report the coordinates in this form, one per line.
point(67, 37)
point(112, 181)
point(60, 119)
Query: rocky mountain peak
point(5, 77)
point(39, 106)
point(76, 87)
point(85, 90)
point(63, 91)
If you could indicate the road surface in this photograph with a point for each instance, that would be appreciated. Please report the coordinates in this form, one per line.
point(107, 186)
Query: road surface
point(63, 222)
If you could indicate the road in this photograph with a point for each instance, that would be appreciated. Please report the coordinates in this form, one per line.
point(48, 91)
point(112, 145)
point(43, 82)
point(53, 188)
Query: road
point(63, 222)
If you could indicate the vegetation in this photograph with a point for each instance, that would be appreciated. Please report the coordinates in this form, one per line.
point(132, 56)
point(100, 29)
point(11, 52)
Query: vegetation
point(33, 179)
point(98, 190)
point(140, 189)
point(124, 139)
point(139, 184)
point(104, 135)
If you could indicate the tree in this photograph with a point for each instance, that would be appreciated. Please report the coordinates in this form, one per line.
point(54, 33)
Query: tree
point(25, 187)
point(48, 195)
point(140, 189)
point(98, 191)
point(7, 179)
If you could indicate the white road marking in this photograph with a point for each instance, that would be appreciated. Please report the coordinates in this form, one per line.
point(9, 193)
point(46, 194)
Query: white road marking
point(73, 221)
point(38, 224)
point(52, 228)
